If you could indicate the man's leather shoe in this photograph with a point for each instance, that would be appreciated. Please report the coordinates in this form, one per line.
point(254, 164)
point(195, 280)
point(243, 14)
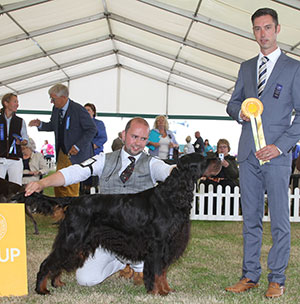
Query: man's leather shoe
point(138, 278)
point(127, 272)
point(275, 290)
point(241, 286)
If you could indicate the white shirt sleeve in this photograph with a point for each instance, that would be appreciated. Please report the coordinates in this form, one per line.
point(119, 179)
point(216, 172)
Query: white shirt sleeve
point(24, 130)
point(77, 173)
point(159, 170)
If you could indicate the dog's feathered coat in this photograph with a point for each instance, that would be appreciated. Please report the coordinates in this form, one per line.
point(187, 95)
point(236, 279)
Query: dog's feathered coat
point(151, 226)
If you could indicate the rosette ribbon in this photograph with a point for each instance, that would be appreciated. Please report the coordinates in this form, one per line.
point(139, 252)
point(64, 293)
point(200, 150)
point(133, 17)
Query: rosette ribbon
point(253, 108)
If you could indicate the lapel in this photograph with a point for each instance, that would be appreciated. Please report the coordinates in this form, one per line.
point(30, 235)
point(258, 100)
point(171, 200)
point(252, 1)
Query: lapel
point(252, 80)
point(277, 71)
point(69, 110)
point(66, 119)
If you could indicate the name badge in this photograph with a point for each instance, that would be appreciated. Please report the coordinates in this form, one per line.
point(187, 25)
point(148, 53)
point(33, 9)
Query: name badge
point(277, 91)
point(1, 131)
point(68, 123)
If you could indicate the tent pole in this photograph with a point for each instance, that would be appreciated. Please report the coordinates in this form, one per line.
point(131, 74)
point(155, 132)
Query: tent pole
point(167, 100)
point(118, 89)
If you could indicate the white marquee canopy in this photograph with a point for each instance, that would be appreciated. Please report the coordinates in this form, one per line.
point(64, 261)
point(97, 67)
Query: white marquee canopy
point(149, 57)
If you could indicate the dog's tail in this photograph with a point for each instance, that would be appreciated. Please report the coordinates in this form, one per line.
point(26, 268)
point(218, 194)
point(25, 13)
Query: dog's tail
point(43, 204)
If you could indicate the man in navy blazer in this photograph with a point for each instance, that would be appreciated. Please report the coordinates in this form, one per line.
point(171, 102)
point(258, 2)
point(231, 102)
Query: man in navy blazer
point(281, 95)
point(74, 131)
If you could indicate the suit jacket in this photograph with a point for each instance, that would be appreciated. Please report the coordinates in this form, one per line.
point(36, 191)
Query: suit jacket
point(276, 116)
point(79, 131)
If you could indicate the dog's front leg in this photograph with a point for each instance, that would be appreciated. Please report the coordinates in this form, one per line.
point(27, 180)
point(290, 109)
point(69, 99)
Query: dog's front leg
point(154, 275)
point(165, 285)
point(41, 281)
point(160, 286)
point(28, 212)
point(43, 275)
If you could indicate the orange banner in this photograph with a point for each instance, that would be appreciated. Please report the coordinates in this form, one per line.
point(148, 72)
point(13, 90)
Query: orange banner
point(13, 263)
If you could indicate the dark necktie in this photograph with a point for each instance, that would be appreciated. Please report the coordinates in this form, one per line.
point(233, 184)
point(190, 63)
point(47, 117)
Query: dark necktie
point(128, 170)
point(60, 116)
point(262, 75)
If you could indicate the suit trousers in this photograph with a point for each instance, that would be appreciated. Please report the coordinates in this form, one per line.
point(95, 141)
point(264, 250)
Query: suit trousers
point(255, 180)
point(63, 161)
point(100, 266)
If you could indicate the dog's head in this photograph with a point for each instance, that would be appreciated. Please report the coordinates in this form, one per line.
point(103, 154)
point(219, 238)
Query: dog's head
point(199, 165)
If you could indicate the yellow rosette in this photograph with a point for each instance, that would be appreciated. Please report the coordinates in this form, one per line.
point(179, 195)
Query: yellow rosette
point(253, 108)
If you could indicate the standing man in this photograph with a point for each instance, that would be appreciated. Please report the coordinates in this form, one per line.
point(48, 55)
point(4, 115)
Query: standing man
point(110, 167)
point(199, 144)
point(279, 92)
point(74, 131)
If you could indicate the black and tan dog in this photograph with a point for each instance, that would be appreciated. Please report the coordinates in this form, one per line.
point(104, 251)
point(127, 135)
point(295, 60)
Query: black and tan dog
point(151, 226)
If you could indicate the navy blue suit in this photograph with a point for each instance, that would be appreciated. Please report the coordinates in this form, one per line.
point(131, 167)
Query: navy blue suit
point(79, 130)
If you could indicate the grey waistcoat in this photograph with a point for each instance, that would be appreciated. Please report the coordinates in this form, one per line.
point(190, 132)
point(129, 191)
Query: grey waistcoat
point(140, 179)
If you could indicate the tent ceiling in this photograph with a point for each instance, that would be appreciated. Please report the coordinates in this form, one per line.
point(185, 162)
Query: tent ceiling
point(194, 45)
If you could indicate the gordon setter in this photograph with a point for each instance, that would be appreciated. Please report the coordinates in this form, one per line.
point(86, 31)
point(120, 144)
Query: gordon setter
point(151, 226)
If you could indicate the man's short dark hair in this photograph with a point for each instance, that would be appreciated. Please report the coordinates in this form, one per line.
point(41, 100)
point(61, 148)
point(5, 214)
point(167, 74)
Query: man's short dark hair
point(263, 12)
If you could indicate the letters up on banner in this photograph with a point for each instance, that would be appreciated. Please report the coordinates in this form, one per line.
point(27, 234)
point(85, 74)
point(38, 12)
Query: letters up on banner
point(13, 263)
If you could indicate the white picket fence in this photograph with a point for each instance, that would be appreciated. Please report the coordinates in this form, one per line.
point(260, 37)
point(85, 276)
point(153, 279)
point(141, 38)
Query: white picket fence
point(218, 206)
point(51, 163)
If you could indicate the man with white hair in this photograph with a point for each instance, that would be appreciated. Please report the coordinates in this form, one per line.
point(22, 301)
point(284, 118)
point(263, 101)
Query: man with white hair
point(74, 130)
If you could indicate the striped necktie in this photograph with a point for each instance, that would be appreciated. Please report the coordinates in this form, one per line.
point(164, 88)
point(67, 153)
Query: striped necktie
point(262, 75)
point(60, 116)
point(128, 170)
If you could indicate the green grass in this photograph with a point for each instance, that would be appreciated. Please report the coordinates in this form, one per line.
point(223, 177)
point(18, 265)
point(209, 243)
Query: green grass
point(211, 262)
point(50, 190)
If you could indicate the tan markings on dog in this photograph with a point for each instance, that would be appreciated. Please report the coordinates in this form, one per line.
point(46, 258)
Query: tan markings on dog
point(165, 284)
point(43, 286)
point(58, 213)
point(57, 282)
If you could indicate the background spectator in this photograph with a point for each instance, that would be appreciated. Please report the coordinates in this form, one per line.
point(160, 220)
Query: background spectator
point(34, 164)
point(98, 141)
point(100, 138)
point(295, 155)
point(207, 147)
point(13, 133)
point(188, 147)
point(47, 150)
point(199, 144)
point(167, 144)
point(229, 174)
point(117, 142)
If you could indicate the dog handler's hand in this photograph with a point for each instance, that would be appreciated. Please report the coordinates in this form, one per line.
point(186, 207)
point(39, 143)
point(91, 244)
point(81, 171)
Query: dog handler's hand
point(54, 180)
point(33, 187)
